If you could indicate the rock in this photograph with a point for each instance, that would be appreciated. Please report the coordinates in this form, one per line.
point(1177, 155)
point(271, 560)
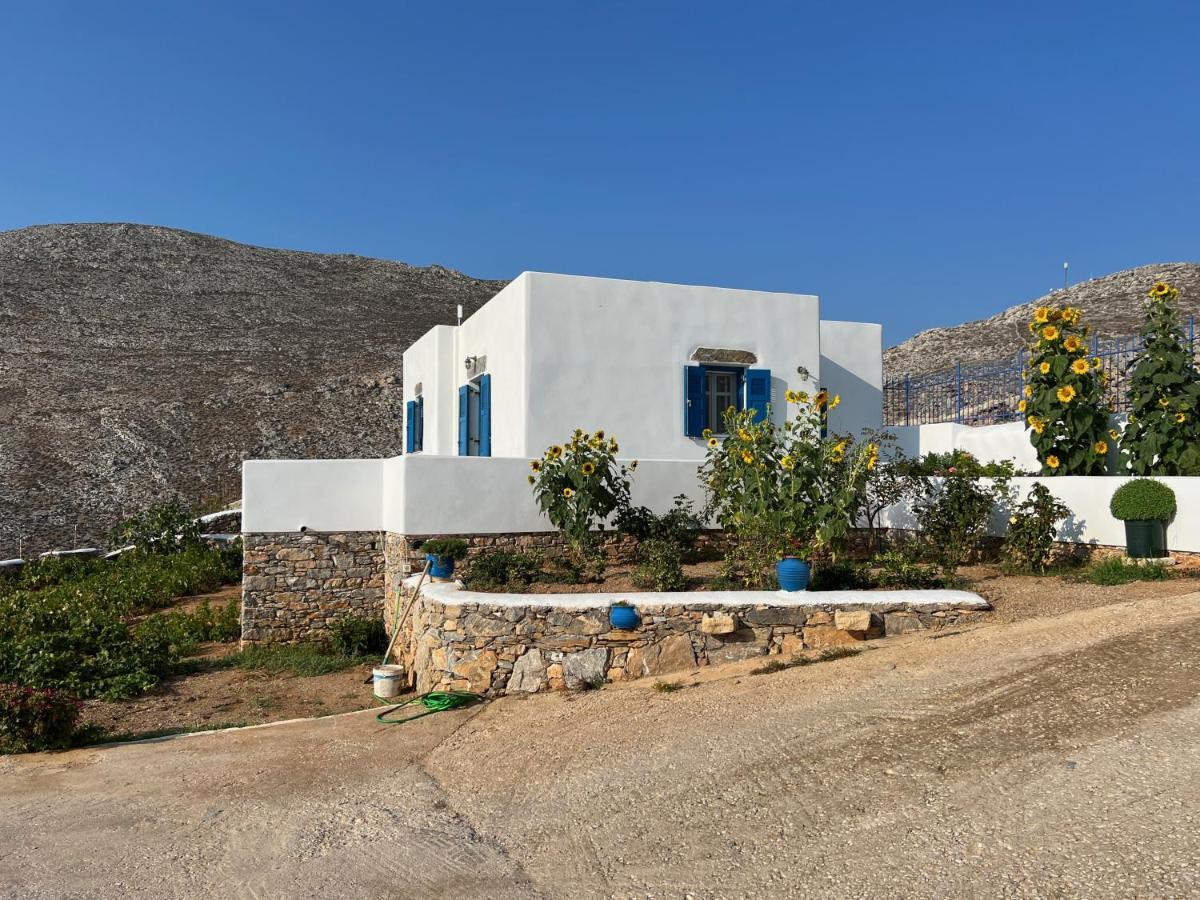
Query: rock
point(585, 668)
point(856, 620)
point(792, 644)
point(821, 636)
point(899, 623)
point(528, 674)
point(476, 669)
point(671, 655)
point(820, 617)
point(735, 651)
point(478, 625)
point(776, 615)
point(718, 623)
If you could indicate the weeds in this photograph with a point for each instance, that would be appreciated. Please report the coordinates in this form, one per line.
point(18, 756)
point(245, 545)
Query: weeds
point(830, 653)
point(1115, 570)
point(667, 687)
point(301, 660)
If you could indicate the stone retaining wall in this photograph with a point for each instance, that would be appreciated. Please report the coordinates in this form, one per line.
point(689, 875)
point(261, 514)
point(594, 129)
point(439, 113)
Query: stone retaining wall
point(501, 648)
point(295, 584)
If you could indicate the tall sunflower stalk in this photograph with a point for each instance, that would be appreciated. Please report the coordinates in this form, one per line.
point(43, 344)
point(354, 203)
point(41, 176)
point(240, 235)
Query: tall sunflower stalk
point(1064, 402)
point(1163, 433)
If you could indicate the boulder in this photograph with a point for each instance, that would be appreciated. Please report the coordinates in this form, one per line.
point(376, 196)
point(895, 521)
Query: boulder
point(718, 623)
point(585, 668)
point(528, 674)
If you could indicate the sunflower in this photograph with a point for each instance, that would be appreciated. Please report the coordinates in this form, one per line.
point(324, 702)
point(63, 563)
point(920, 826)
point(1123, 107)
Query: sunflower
point(587, 468)
point(820, 398)
point(872, 455)
point(1050, 333)
point(745, 435)
point(792, 397)
point(1033, 327)
point(1038, 425)
point(713, 442)
point(1022, 406)
point(568, 493)
point(1100, 447)
point(1052, 461)
point(1066, 394)
point(1044, 368)
point(555, 452)
point(1041, 315)
point(613, 446)
point(1027, 390)
point(536, 465)
point(531, 478)
point(1114, 434)
point(599, 434)
point(788, 462)
point(836, 401)
point(1080, 367)
point(1095, 362)
point(747, 457)
point(706, 433)
point(1164, 402)
point(837, 456)
point(633, 466)
point(1160, 289)
point(1072, 343)
point(1180, 418)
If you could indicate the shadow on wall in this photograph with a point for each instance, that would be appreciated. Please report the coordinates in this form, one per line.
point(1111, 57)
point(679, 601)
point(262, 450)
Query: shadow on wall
point(862, 403)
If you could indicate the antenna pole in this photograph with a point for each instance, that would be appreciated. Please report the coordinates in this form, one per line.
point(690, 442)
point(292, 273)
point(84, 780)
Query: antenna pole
point(1066, 268)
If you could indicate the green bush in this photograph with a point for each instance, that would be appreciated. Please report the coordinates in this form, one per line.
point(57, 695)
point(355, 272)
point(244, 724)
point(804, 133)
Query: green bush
point(954, 512)
point(679, 526)
point(358, 636)
point(1141, 499)
point(957, 462)
point(1031, 530)
point(898, 568)
point(36, 718)
point(660, 567)
point(445, 548)
point(1115, 570)
point(161, 529)
point(502, 570)
point(841, 576)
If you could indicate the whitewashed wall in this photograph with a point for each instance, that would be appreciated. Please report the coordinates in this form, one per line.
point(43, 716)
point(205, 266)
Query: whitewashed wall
point(852, 366)
point(987, 443)
point(317, 494)
point(429, 368)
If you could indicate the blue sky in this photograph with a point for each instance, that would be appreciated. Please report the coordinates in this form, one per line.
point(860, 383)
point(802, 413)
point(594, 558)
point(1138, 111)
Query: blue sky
point(915, 164)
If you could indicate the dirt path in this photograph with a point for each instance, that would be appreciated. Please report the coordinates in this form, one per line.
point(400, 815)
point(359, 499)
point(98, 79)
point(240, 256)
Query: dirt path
point(1053, 756)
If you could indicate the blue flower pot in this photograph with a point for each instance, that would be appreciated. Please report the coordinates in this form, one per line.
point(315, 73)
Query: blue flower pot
point(792, 574)
point(623, 618)
point(439, 566)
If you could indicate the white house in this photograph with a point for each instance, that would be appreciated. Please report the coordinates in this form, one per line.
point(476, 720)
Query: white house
point(654, 364)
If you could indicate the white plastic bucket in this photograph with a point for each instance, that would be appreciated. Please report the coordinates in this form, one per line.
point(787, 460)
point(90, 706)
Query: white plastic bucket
point(387, 680)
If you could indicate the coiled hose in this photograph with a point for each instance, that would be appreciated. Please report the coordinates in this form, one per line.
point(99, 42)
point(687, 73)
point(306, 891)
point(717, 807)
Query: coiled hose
point(433, 702)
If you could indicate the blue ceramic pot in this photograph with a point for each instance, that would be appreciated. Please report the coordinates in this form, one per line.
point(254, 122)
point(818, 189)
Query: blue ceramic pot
point(439, 566)
point(623, 618)
point(792, 573)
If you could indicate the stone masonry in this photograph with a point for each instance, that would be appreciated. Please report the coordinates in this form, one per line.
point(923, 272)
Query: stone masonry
point(295, 584)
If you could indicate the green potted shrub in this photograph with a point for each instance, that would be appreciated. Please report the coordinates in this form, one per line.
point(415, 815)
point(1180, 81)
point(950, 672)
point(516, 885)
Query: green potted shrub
point(441, 554)
point(1145, 506)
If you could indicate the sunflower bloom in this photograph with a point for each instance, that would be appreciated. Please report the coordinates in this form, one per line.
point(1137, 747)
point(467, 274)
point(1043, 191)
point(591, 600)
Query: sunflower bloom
point(1050, 333)
point(1164, 402)
point(568, 493)
point(633, 466)
point(793, 396)
point(536, 465)
point(1036, 424)
point(1022, 406)
point(1180, 418)
point(747, 457)
point(744, 434)
point(1080, 367)
point(820, 398)
point(713, 442)
point(1041, 315)
point(836, 401)
point(1071, 344)
point(1066, 394)
point(1114, 434)
point(706, 433)
point(1095, 362)
point(1160, 289)
point(556, 451)
point(1052, 461)
point(531, 479)
point(788, 462)
point(1044, 368)
point(1028, 390)
point(587, 468)
point(1101, 448)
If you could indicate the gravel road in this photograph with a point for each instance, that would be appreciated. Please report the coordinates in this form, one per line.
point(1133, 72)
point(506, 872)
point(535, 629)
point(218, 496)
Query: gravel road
point(1055, 756)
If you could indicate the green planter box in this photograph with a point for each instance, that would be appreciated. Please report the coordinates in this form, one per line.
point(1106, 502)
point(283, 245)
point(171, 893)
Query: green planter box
point(1145, 538)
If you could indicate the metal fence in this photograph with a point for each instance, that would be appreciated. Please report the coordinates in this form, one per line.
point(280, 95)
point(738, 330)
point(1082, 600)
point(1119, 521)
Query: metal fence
point(988, 394)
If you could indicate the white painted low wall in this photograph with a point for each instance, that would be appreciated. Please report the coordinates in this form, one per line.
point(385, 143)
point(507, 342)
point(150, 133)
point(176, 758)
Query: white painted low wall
point(1090, 521)
point(987, 443)
point(418, 494)
point(317, 494)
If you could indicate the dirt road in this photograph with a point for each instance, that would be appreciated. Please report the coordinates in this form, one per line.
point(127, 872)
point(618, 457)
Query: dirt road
point(1045, 757)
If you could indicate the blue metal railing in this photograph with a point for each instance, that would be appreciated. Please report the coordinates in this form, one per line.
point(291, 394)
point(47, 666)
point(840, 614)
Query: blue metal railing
point(988, 394)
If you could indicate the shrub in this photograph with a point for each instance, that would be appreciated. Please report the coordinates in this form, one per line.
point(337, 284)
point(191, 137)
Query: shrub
point(36, 718)
point(1031, 529)
point(888, 484)
point(498, 570)
point(957, 462)
point(840, 576)
point(358, 636)
point(791, 484)
point(679, 526)
point(898, 568)
point(161, 529)
point(301, 660)
point(1064, 402)
point(1163, 433)
point(1115, 570)
point(954, 512)
point(578, 486)
point(445, 548)
point(750, 558)
point(1142, 498)
point(660, 568)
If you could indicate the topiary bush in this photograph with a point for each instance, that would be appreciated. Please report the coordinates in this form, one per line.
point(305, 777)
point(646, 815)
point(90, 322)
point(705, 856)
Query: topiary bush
point(36, 718)
point(1143, 499)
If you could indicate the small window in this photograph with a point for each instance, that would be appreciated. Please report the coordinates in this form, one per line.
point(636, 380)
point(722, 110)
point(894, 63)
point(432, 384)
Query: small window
point(721, 385)
point(710, 391)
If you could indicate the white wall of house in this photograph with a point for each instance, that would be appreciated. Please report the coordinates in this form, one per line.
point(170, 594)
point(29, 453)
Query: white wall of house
point(432, 356)
point(852, 366)
point(318, 494)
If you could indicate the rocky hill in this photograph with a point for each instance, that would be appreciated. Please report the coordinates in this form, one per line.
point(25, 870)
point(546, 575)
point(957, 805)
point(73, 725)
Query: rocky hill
point(1112, 305)
point(139, 364)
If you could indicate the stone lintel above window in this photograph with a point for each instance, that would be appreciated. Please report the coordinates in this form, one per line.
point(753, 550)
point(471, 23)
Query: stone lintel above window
point(719, 355)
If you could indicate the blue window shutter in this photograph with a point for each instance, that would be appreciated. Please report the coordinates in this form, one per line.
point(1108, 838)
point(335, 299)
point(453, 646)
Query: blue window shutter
point(410, 426)
point(419, 439)
point(693, 400)
point(758, 392)
point(464, 419)
point(485, 415)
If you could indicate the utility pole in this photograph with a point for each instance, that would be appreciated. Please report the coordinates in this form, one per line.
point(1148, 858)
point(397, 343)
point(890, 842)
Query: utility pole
point(1066, 267)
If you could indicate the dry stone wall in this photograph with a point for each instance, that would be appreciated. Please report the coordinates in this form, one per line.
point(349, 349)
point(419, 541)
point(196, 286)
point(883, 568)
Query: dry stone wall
point(295, 584)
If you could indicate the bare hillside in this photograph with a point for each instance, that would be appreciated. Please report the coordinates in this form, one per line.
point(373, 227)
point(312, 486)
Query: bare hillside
point(1112, 305)
point(140, 363)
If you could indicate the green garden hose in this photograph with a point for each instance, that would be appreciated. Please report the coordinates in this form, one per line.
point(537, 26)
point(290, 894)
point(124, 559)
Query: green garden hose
point(434, 702)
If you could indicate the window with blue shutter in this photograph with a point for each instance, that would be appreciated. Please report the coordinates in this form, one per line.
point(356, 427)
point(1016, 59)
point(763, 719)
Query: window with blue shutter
point(419, 428)
point(694, 406)
point(485, 415)
point(464, 420)
point(410, 426)
point(758, 392)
